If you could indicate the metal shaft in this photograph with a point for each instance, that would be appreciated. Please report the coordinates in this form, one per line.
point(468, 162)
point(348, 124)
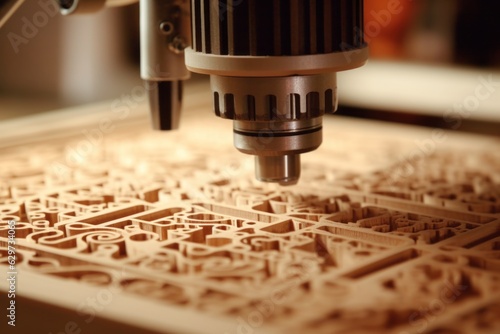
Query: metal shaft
point(283, 169)
point(165, 33)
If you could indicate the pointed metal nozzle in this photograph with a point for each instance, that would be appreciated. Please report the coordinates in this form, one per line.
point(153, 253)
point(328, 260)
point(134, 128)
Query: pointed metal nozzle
point(165, 102)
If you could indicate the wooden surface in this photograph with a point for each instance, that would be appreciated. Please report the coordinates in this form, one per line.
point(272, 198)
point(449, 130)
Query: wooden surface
point(392, 229)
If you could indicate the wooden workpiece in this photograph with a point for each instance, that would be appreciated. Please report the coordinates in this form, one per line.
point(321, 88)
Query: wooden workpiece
point(391, 229)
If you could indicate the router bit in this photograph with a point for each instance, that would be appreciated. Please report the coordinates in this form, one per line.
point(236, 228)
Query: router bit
point(272, 67)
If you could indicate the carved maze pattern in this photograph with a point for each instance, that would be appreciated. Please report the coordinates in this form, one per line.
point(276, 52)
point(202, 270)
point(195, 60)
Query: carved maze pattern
point(380, 250)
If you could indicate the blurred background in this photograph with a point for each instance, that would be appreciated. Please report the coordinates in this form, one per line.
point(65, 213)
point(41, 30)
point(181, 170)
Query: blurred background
point(430, 61)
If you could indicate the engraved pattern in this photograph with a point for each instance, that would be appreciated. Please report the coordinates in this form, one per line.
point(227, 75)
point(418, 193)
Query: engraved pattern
point(193, 229)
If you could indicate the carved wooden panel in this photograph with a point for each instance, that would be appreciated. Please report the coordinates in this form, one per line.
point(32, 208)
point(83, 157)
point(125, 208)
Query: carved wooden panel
point(370, 240)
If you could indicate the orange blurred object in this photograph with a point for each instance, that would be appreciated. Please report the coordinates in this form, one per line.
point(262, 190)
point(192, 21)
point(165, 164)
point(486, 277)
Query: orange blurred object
point(387, 23)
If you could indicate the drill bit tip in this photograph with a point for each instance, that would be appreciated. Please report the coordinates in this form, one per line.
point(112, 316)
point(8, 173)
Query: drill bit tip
point(284, 170)
point(165, 101)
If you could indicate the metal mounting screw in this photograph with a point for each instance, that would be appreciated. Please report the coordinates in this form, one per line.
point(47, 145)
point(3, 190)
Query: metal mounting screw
point(178, 44)
point(66, 4)
point(166, 27)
